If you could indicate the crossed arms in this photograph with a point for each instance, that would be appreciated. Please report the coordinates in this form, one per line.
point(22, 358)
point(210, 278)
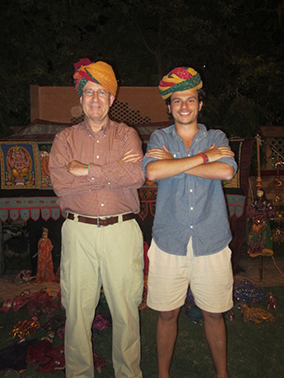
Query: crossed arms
point(70, 174)
point(76, 168)
point(167, 166)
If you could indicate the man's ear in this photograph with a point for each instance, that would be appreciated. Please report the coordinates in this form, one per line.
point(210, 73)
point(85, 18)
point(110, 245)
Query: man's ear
point(169, 109)
point(112, 98)
point(200, 105)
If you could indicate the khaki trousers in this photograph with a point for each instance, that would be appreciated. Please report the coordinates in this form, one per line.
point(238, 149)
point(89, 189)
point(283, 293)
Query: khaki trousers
point(112, 256)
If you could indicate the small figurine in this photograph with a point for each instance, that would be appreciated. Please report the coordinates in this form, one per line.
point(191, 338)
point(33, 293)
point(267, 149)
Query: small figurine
point(271, 302)
point(45, 272)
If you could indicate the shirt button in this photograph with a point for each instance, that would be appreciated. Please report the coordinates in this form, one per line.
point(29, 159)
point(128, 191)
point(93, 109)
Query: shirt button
point(108, 183)
point(93, 178)
point(102, 204)
point(191, 190)
point(191, 227)
point(98, 141)
point(191, 208)
point(98, 157)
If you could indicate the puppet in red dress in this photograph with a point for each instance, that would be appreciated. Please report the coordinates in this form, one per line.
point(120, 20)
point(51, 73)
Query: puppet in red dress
point(45, 271)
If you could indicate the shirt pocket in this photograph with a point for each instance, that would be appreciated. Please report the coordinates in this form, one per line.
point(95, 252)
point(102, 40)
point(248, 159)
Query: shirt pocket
point(177, 155)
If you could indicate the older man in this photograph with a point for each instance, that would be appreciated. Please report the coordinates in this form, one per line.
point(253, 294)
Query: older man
point(191, 231)
point(96, 169)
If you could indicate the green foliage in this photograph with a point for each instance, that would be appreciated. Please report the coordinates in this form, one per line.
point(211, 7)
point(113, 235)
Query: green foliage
point(40, 42)
point(237, 46)
point(242, 118)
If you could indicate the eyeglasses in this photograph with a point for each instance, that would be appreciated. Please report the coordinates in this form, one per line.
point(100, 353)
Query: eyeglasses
point(100, 92)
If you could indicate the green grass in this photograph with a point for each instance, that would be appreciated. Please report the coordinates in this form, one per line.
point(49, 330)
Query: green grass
point(254, 350)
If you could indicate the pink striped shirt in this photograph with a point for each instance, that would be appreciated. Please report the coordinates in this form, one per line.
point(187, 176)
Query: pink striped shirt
point(110, 187)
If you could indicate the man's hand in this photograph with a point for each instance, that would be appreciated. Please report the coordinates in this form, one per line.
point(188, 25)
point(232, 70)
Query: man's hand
point(76, 168)
point(161, 154)
point(129, 157)
point(216, 153)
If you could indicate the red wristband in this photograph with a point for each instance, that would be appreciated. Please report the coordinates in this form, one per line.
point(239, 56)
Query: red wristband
point(204, 157)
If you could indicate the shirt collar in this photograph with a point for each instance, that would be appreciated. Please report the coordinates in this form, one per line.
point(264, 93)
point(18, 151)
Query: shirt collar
point(103, 130)
point(201, 132)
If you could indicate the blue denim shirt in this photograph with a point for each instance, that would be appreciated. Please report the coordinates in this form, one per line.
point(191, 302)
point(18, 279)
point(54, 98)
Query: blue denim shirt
point(189, 206)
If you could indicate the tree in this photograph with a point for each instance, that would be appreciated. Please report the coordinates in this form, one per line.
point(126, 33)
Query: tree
point(237, 46)
point(40, 41)
point(152, 37)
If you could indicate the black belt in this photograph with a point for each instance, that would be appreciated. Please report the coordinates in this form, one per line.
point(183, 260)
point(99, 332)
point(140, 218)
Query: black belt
point(101, 221)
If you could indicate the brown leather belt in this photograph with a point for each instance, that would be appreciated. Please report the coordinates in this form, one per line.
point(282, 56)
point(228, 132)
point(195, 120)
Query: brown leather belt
point(100, 222)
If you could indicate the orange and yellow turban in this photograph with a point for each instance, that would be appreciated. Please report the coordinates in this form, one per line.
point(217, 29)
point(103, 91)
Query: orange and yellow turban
point(97, 72)
point(179, 79)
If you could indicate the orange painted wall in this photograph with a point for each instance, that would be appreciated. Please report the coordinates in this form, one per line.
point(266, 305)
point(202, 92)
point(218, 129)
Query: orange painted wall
point(61, 104)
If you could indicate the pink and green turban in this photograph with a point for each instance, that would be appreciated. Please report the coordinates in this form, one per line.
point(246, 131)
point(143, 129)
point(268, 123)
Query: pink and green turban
point(97, 72)
point(179, 79)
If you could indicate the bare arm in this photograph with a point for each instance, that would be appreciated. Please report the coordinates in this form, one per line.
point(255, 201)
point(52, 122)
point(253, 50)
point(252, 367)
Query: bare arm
point(213, 171)
point(166, 166)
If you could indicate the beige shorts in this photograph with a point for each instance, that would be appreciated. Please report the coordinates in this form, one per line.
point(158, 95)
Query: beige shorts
point(210, 278)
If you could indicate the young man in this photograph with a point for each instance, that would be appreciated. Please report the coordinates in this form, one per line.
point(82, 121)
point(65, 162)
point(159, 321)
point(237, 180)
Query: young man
point(191, 231)
point(96, 169)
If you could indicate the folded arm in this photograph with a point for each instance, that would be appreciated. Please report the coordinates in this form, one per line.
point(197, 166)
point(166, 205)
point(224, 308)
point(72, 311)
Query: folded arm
point(166, 166)
point(73, 176)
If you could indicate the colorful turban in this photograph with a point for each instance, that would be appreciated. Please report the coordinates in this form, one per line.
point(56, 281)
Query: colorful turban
point(179, 79)
point(97, 72)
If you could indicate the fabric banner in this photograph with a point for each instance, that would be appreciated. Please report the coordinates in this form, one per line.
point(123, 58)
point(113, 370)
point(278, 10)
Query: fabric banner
point(235, 204)
point(43, 150)
point(147, 196)
point(25, 165)
point(46, 207)
point(29, 207)
point(19, 165)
